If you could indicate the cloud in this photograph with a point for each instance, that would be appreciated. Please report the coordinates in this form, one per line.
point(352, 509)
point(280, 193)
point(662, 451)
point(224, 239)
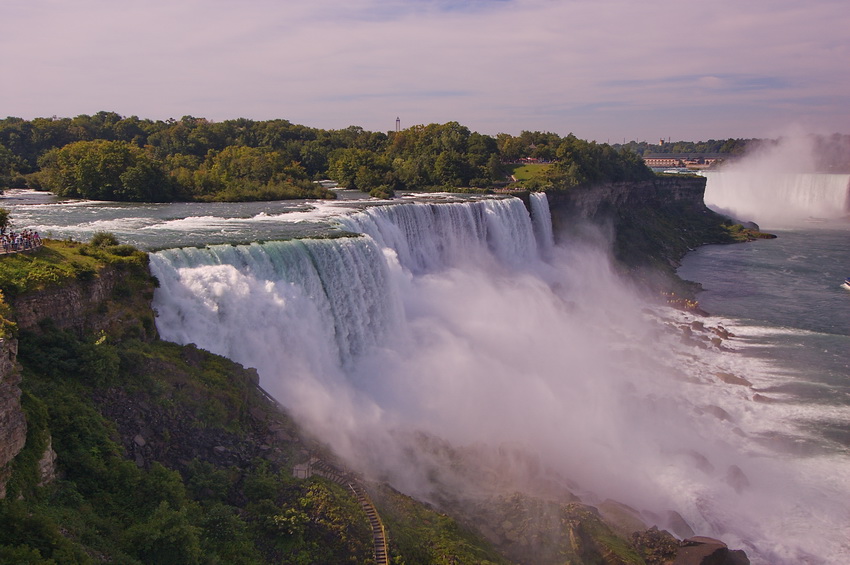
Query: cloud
point(519, 64)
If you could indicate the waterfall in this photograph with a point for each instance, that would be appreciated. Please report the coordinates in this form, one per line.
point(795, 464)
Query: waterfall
point(542, 218)
point(429, 237)
point(778, 198)
point(463, 322)
point(319, 301)
point(336, 294)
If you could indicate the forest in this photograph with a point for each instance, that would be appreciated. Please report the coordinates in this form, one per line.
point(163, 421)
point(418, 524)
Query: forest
point(826, 153)
point(106, 156)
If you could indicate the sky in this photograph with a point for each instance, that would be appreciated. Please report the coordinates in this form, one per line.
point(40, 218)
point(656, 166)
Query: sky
point(605, 70)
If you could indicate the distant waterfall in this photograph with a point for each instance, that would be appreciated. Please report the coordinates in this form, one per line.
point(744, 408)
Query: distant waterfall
point(777, 198)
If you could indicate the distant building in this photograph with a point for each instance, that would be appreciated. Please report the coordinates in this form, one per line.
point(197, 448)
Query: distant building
point(695, 161)
point(659, 162)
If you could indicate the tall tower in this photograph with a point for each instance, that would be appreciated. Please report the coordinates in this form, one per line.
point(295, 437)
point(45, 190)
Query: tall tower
point(398, 124)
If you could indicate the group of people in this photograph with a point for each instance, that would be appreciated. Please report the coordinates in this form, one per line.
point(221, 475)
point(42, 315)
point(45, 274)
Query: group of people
point(19, 241)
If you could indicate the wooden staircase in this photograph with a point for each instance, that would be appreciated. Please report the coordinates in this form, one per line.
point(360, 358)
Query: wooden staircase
point(348, 480)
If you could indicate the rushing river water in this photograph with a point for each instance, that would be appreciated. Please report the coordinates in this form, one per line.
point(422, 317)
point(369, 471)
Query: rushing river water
point(460, 318)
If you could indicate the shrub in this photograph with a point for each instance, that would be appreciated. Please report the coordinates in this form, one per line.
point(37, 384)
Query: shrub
point(103, 239)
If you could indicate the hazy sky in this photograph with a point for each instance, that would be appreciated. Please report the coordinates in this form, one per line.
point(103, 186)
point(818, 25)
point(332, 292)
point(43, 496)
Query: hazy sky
point(602, 69)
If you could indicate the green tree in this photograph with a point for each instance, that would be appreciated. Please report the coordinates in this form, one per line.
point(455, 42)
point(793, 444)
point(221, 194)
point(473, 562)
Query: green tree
point(105, 170)
point(166, 538)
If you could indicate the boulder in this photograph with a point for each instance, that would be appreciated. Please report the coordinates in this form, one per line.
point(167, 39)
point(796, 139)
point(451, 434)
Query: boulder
point(736, 478)
point(708, 551)
point(731, 379)
point(679, 525)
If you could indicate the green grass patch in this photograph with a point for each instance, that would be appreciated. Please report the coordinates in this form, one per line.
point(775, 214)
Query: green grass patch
point(58, 261)
point(742, 234)
point(529, 171)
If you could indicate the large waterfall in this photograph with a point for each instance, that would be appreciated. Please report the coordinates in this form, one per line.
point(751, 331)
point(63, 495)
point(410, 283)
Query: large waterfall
point(778, 198)
point(464, 322)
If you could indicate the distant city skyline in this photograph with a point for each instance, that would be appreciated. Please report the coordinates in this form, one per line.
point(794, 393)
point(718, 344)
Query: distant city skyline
point(607, 70)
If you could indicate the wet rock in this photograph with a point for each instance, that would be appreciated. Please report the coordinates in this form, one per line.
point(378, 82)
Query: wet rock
point(762, 398)
point(722, 332)
point(623, 519)
point(718, 413)
point(708, 551)
point(736, 478)
point(731, 379)
point(679, 525)
point(702, 462)
point(655, 546)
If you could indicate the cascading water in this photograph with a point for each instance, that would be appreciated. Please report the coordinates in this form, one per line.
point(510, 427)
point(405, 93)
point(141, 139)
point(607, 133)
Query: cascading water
point(464, 322)
point(778, 198)
point(542, 223)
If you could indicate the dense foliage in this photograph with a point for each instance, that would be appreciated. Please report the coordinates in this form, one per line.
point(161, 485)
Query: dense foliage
point(108, 508)
point(110, 157)
point(729, 147)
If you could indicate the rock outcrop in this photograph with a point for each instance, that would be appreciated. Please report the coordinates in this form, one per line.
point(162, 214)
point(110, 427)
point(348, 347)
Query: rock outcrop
point(652, 224)
point(13, 423)
point(708, 551)
point(88, 305)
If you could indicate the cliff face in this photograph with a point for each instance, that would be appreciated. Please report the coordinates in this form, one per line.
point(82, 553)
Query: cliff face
point(13, 423)
point(602, 201)
point(651, 224)
point(108, 302)
point(75, 305)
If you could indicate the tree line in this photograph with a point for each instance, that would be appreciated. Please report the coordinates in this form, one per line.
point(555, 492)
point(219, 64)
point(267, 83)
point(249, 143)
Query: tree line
point(106, 156)
point(828, 153)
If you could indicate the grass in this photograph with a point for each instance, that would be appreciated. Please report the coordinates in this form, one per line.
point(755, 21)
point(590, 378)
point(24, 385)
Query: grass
point(54, 262)
point(527, 172)
point(59, 261)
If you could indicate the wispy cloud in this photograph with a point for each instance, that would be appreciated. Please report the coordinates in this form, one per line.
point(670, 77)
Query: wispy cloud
point(494, 65)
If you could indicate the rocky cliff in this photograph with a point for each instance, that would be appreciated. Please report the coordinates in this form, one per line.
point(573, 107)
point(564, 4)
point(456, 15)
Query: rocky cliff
point(650, 224)
point(111, 301)
point(604, 200)
point(13, 424)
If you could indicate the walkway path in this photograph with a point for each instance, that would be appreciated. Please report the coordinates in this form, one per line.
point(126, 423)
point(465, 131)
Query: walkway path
point(348, 480)
point(316, 466)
